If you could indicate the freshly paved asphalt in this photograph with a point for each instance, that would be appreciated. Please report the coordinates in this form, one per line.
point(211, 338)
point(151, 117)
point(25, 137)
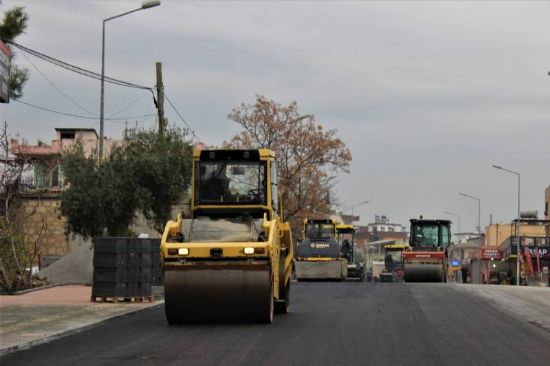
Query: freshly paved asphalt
point(329, 324)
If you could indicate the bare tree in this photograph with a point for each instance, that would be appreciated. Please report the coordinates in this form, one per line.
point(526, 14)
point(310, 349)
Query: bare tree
point(309, 156)
point(16, 256)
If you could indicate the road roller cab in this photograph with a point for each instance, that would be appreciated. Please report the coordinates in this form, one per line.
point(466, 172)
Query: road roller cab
point(426, 258)
point(345, 235)
point(318, 255)
point(231, 259)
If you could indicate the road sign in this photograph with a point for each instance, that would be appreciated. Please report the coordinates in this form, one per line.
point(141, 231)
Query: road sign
point(491, 253)
point(5, 56)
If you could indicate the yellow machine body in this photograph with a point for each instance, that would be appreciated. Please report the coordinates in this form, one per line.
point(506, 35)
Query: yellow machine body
point(232, 259)
point(318, 254)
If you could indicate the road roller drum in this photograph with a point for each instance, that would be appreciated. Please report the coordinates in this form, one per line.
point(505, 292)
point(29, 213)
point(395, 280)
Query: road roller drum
point(218, 293)
point(423, 272)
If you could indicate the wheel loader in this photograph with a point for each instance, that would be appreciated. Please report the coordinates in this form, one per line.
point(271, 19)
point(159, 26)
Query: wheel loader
point(318, 254)
point(345, 235)
point(231, 260)
point(426, 259)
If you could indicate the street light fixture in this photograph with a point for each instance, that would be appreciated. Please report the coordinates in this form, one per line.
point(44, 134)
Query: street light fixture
point(517, 223)
point(455, 215)
point(144, 5)
point(352, 207)
point(478, 210)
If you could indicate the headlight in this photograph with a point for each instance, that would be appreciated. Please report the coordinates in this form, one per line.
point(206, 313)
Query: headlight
point(183, 251)
point(248, 250)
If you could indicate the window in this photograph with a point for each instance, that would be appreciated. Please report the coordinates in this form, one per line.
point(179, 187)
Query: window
point(426, 235)
point(319, 231)
point(274, 197)
point(445, 236)
point(67, 135)
point(231, 182)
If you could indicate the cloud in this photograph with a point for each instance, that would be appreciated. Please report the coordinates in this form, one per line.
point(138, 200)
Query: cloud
point(427, 94)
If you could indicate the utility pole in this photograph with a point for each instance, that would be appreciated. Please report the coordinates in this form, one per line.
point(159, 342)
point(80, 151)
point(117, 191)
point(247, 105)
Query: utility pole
point(160, 99)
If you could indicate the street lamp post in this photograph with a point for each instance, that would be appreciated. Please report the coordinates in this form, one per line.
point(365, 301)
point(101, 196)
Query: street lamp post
point(457, 245)
point(144, 5)
point(478, 210)
point(517, 222)
point(455, 215)
point(352, 207)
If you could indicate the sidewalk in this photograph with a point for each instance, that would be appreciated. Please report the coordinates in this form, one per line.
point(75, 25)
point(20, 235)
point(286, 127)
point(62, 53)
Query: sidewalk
point(529, 303)
point(43, 315)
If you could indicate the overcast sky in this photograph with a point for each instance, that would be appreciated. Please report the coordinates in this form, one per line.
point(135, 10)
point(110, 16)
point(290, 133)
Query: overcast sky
point(427, 95)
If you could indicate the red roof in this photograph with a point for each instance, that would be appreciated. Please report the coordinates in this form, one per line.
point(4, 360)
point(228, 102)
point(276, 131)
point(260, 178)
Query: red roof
point(35, 150)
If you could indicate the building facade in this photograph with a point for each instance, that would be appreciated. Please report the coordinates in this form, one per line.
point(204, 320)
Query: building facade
point(42, 183)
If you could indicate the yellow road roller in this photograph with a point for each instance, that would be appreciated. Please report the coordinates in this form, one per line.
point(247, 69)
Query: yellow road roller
point(231, 260)
point(318, 255)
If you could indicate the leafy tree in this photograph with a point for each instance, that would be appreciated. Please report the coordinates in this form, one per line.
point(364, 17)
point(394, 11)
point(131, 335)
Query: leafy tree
point(13, 25)
point(144, 173)
point(309, 156)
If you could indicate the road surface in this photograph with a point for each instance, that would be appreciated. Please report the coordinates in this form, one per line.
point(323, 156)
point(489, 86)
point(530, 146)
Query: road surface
point(330, 323)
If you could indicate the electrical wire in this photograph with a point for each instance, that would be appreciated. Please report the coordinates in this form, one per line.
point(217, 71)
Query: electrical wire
point(56, 88)
point(182, 119)
point(92, 75)
point(129, 105)
point(74, 68)
point(78, 115)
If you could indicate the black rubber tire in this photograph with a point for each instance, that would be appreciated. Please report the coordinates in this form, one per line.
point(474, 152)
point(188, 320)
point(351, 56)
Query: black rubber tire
point(281, 307)
point(268, 318)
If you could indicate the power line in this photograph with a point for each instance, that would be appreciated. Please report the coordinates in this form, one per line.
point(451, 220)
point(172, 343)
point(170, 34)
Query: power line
point(129, 105)
point(56, 88)
point(74, 68)
point(92, 75)
point(78, 115)
point(183, 120)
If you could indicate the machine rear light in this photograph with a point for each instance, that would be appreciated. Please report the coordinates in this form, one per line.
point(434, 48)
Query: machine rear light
point(248, 250)
point(183, 251)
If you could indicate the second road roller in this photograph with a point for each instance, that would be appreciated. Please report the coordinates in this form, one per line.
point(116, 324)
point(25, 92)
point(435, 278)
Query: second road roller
point(426, 258)
point(231, 260)
point(318, 255)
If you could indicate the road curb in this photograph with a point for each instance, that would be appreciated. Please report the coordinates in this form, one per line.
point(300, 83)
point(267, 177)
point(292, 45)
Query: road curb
point(52, 337)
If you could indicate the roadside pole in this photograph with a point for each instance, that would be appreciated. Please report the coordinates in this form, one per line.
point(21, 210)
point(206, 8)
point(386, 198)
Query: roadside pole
point(160, 99)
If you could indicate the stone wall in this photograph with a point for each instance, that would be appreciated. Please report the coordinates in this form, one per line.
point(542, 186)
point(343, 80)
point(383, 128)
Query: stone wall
point(43, 224)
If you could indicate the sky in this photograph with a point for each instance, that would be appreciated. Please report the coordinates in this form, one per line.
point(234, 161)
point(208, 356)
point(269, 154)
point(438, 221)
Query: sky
point(426, 95)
